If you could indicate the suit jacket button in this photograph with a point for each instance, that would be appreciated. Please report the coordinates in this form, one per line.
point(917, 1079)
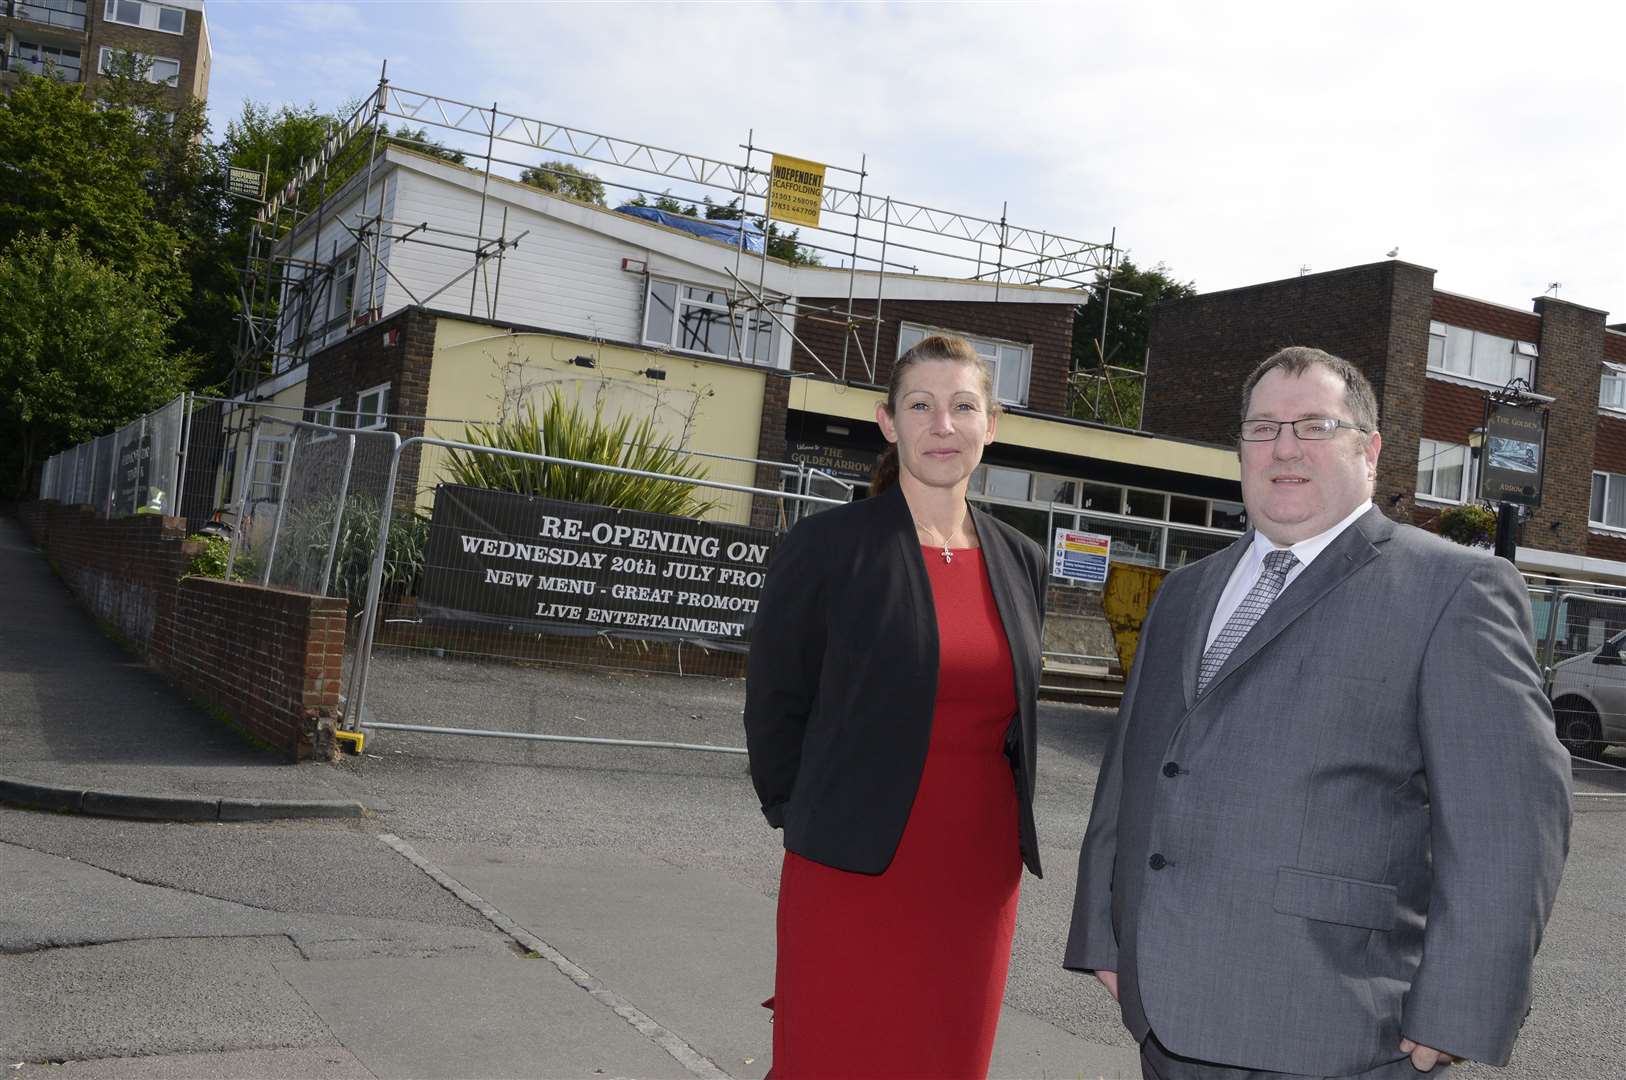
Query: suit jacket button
point(1157, 861)
point(1171, 769)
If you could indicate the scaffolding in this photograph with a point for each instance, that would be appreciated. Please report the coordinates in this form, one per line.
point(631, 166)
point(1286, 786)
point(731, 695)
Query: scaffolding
point(871, 234)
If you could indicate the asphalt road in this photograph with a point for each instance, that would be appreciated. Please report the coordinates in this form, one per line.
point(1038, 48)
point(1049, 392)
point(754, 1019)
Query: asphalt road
point(303, 948)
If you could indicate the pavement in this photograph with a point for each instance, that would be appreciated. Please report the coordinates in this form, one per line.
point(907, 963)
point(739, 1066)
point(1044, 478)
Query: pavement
point(179, 904)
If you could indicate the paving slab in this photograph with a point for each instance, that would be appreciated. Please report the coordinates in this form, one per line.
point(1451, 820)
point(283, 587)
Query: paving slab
point(655, 932)
point(459, 1018)
point(320, 1063)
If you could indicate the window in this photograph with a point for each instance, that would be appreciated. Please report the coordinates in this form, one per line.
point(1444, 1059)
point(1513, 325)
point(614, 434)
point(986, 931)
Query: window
point(1005, 483)
point(372, 407)
point(1608, 500)
point(148, 16)
point(344, 287)
point(65, 13)
point(154, 69)
point(56, 60)
point(1482, 357)
point(1228, 515)
point(697, 319)
point(1612, 388)
point(325, 413)
point(1055, 489)
point(1442, 470)
point(1012, 363)
point(1146, 504)
point(1101, 497)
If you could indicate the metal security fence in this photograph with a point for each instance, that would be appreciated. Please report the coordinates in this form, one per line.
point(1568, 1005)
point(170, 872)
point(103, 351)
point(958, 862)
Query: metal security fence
point(134, 469)
point(534, 582)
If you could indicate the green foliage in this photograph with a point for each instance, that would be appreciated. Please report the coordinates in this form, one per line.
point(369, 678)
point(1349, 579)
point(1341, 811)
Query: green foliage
point(565, 431)
point(418, 139)
point(212, 562)
point(562, 178)
point(83, 348)
point(664, 201)
point(781, 245)
point(308, 531)
point(67, 166)
point(1470, 525)
point(1116, 398)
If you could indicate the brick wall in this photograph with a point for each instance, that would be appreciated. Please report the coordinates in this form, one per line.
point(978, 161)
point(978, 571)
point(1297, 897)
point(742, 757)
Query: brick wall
point(365, 360)
point(1202, 349)
point(1451, 411)
point(770, 447)
point(1046, 327)
point(186, 47)
point(1570, 344)
point(268, 660)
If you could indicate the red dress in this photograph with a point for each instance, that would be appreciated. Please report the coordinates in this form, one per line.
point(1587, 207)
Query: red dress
point(901, 974)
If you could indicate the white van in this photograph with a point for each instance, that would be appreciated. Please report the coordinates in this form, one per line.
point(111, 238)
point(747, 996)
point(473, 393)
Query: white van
point(1589, 698)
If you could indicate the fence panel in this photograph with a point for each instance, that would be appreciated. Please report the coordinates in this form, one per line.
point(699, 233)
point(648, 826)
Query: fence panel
point(475, 575)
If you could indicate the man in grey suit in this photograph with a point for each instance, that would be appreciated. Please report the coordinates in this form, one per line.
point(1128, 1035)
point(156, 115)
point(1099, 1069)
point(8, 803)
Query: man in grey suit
point(1329, 830)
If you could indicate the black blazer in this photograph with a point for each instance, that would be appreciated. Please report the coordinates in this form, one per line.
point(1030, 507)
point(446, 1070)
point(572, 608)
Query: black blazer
point(842, 678)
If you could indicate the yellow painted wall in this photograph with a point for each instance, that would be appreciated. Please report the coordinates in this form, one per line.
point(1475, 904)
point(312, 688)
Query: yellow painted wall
point(832, 399)
point(288, 403)
point(706, 407)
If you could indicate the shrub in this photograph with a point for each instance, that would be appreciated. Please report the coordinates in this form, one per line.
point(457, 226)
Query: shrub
point(309, 530)
point(212, 561)
point(565, 431)
point(1472, 526)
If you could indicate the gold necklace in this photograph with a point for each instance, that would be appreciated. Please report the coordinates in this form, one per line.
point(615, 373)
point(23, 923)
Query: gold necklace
point(948, 556)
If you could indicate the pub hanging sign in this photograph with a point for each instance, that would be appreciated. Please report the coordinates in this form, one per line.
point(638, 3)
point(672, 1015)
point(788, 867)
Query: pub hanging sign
point(545, 565)
point(1514, 455)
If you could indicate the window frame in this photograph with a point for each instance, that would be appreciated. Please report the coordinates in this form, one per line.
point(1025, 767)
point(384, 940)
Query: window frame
point(1465, 485)
point(48, 57)
point(1615, 374)
point(173, 81)
point(110, 15)
point(753, 322)
point(996, 358)
point(1610, 479)
point(380, 417)
point(326, 413)
point(1518, 352)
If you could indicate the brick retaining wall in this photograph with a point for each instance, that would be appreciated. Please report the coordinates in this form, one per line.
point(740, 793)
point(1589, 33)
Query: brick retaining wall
point(268, 660)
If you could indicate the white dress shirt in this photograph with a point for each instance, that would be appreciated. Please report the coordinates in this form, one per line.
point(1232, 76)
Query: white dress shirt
point(1249, 566)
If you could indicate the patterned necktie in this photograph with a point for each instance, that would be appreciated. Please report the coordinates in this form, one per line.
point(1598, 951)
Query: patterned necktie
point(1278, 564)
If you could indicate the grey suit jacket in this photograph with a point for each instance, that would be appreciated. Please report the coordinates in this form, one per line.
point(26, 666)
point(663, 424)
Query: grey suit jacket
point(1356, 832)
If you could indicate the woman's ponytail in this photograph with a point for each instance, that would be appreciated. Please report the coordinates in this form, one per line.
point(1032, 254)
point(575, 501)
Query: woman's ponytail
point(885, 474)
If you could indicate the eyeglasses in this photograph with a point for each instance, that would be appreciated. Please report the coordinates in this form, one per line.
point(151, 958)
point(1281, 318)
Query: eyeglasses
point(1308, 428)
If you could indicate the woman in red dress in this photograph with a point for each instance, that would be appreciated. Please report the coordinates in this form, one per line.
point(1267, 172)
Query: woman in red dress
point(890, 717)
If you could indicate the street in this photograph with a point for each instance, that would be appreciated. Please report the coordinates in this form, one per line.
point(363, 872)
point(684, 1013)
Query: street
point(338, 948)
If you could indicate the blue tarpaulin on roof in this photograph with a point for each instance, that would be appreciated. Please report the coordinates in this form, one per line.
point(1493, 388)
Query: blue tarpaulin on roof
point(726, 231)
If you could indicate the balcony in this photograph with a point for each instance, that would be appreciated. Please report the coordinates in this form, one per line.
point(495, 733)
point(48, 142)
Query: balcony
point(42, 61)
point(60, 14)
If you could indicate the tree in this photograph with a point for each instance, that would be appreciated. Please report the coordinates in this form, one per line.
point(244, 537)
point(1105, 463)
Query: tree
point(418, 139)
point(1100, 394)
point(563, 178)
point(84, 347)
point(187, 185)
point(65, 165)
point(781, 245)
point(664, 201)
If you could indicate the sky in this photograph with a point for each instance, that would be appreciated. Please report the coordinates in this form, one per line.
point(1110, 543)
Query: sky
point(1236, 143)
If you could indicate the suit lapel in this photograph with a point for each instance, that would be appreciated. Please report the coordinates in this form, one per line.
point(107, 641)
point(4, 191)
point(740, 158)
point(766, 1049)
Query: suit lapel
point(1354, 548)
point(1007, 584)
point(1217, 570)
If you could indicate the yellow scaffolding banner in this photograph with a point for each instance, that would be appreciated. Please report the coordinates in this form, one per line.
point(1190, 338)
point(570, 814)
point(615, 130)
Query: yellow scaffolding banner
point(795, 190)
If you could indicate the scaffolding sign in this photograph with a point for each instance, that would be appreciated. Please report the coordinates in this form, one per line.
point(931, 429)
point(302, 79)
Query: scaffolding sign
point(245, 183)
point(795, 190)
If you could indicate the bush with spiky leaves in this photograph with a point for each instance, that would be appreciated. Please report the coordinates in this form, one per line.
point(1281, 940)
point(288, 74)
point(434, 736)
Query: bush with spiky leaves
point(565, 430)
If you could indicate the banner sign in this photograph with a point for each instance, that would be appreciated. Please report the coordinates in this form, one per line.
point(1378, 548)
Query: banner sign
point(1081, 556)
point(795, 190)
point(1515, 445)
point(575, 568)
point(133, 473)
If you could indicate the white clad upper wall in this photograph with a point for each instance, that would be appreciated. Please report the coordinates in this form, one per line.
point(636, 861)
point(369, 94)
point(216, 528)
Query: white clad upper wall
point(561, 275)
